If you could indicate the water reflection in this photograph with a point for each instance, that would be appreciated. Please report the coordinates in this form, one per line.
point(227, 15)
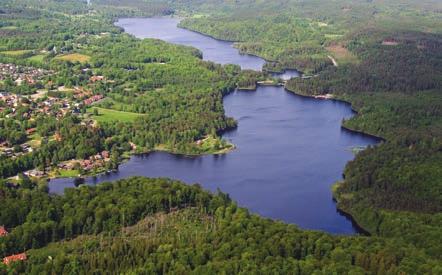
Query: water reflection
point(290, 149)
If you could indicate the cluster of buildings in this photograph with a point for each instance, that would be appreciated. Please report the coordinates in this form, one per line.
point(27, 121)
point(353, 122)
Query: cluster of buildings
point(12, 104)
point(92, 99)
point(56, 106)
point(97, 161)
point(10, 100)
point(21, 74)
point(14, 258)
point(56, 103)
point(81, 93)
point(34, 173)
point(10, 152)
point(86, 95)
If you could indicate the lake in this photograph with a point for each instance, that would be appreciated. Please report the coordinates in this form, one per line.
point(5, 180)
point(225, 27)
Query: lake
point(290, 149)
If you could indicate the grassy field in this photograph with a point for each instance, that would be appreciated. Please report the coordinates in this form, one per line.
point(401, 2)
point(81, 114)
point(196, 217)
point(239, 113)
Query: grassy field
point(35, 140)
point(108, 115)
point(342, 55)
point(37, 58)
point(16, 53)
point(74, 57)
point(60, 173)
point(9, 28)
point(214, 145)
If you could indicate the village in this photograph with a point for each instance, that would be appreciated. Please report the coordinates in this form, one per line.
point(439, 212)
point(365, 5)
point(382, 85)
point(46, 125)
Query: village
point(57, 103)
point(21, 74)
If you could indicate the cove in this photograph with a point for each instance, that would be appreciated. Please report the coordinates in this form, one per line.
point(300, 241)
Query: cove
point(290, 149)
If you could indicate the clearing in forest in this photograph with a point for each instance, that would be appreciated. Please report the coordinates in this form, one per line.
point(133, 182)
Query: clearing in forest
point(16, 52)
point(108, 115)
point(74, 57)
point(341, 54)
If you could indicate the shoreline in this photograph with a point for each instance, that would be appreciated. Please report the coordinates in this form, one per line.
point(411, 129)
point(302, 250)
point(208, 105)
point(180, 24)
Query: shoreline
point(223, 151)
point(232, 42)
point(381, 139)
point(339, 209)
point(363, 231)
point(132, 154)
point(350, 217)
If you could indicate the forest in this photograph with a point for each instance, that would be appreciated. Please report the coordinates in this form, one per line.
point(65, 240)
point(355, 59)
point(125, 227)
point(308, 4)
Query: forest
point(159, 226)
point(388, 67)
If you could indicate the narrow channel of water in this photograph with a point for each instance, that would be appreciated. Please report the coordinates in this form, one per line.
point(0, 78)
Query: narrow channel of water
point(290, 149)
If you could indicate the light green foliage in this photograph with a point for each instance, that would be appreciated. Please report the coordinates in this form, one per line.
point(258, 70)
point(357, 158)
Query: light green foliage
point(108, 115)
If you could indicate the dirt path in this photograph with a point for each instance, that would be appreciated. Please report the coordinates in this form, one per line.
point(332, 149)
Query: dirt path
point(333, 60)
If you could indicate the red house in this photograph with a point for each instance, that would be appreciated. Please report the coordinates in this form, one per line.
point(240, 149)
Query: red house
point(30, 131)
point(92, 99)
point(14, 258)
point(3, 231)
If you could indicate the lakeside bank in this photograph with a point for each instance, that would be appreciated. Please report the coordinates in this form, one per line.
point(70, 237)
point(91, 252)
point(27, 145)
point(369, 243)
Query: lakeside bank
point(281, 140)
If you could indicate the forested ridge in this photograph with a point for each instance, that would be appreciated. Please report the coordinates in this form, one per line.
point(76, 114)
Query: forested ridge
point(159, 226)
point(388, 67)
point(266, 37)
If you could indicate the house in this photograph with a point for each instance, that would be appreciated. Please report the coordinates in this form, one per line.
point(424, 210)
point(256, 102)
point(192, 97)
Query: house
point(390, 42)
point(9, 152)
point(30, 131)
point(34, 173)
point(26, 148)
point(133, 146)
point(96, 78)
point(14, 258)
point(326, 96)
point(57, 136)
point(3, 231)
point(92, 99)
point(105, 154)
point(4, 95)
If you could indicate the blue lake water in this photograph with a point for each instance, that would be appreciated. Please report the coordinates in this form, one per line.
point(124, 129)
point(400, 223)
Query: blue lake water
point(290, 149)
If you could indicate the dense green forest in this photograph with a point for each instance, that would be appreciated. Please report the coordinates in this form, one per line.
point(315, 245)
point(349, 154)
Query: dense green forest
point(296, 34)
point(266, 37)
point(388, 66)
point(159, 226)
